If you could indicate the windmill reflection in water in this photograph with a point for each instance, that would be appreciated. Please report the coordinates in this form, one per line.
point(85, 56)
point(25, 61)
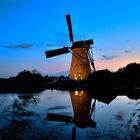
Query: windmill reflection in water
point(84, 112)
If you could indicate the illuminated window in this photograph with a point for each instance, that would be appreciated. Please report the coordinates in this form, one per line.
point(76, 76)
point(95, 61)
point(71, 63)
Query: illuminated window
point(79, 93)
point(78, 76)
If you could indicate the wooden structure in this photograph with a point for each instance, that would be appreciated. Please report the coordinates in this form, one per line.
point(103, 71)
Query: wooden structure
point(82, 60)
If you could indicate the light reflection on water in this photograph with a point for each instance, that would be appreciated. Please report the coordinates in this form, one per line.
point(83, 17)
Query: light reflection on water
point(25, 116)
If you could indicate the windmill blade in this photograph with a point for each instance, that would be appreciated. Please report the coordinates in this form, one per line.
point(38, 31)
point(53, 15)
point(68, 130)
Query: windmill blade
point(59, 118)
point(56, 52)
point(69, 27)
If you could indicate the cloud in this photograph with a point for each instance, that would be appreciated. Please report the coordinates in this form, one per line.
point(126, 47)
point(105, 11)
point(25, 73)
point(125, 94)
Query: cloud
point(62, 34)
point(52, 45)
point(67, 35)
point(104, 57)
point(23, 46)
point(62, 42)
point(128, 40)
point(127, 51)
point(59, 43)
point(98, 49)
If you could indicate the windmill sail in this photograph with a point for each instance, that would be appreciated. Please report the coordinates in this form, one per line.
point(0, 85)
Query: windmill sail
point(56, 52)
point(69, 28)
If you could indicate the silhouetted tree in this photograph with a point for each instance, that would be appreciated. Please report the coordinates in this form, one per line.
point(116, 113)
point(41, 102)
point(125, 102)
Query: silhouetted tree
point(29, 76)
point(100, 78)
point(132, 68)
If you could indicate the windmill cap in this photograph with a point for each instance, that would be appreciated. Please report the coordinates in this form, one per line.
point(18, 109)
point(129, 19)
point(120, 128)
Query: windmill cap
point(79, 44)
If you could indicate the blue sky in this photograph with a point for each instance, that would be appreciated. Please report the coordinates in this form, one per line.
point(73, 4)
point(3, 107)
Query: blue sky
point(30, 27)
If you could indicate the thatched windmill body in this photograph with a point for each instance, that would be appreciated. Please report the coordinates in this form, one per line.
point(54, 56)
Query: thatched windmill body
point(81, 57)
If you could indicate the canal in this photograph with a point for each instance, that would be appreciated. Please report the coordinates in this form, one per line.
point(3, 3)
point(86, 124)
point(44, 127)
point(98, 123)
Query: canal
point(58, 115)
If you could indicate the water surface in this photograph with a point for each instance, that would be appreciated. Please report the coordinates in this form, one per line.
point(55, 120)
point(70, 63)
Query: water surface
point(25, 116)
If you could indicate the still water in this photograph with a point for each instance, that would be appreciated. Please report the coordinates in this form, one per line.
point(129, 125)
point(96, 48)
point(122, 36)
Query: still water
point(58, 115)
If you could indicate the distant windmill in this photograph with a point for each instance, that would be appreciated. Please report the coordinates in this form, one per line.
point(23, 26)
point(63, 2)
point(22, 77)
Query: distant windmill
point(81, 57)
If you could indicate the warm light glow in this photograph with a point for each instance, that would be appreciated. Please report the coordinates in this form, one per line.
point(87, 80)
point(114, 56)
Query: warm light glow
point(79, 93)
point(80, 66)
point(76, 93)
point(78, 76)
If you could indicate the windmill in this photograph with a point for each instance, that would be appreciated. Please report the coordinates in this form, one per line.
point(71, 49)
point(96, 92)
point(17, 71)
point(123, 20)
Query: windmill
point(82, 60)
